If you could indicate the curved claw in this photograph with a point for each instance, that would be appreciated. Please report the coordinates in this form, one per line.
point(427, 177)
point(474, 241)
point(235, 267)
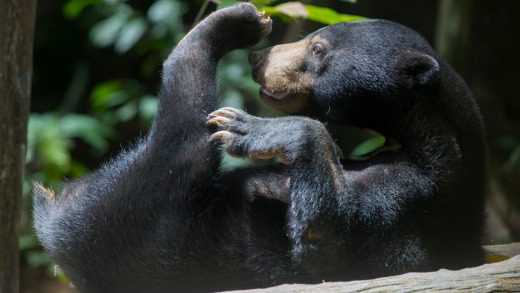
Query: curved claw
point(223, 136)
point(267, 23)
point(219, 121)
point(227, 112)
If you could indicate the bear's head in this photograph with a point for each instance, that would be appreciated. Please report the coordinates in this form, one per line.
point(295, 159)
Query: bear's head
point(346, 72)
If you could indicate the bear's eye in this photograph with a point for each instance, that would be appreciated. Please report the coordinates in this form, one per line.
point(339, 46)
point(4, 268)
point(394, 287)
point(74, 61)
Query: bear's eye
point(317, 49)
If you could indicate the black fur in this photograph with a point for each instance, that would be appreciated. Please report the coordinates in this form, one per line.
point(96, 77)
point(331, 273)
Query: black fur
point(163, 217)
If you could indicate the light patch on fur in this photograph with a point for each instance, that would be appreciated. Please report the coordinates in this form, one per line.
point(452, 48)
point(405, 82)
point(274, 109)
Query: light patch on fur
point(287, 85)
point(38, 188)
point(271, 154)
point(314, 234)
point(282, 70)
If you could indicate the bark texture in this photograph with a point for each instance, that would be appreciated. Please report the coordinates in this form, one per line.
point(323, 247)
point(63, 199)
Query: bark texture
point(16, 46)
point(497, 277)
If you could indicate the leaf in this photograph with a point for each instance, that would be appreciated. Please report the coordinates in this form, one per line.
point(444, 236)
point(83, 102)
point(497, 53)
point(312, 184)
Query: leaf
point(27, 242)
point(73, 8)
point(226, 3)
point(368, 146)
point(130, 34)
point(259, 3)
point(274, 12)
point(293, 9)
point(148, 107)
point(296, 10)
point(108, 94)
point(87, 128)
point(163, 11)
point(49, 143)
point(228, 162)
point(127, 111)
point(329, 16)
point(105, 32)
point(37, 258)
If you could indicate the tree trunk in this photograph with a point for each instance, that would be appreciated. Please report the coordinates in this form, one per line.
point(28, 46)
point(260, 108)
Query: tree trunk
point(16, 46)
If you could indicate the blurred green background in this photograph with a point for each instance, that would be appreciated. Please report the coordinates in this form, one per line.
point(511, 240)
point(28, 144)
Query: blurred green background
point(97, 67)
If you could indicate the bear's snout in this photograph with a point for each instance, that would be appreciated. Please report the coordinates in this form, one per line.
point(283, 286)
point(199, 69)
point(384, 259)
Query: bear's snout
point(254, 60)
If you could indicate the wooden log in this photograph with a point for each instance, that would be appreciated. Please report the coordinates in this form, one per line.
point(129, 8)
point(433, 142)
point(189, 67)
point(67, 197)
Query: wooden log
point(502, 276)
point(508, 250)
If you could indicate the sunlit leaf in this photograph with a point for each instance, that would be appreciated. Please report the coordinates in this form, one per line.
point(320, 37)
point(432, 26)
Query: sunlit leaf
point(328, 16)
point(226, 3)
point(296, 10)
point(60, 275)
point(293, 9)
point(274, 12)
point(127, 111)
point(148, 107)
point(259, 3)
point(368, 146)
point(54, 150)
point(164, 11)
point(107, 94)
point(87, 128)
point(77, 169)
point(47, 142)
point(130, 34)
point(106, 32)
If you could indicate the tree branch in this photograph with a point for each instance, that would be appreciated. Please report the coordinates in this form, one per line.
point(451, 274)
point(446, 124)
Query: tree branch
point(501, 276)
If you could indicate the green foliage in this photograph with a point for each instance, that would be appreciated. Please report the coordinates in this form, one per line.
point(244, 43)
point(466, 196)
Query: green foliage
point(148, 33)
point(290, 11)
point(329, 16)
point(51, 139)
point(118, 101)
point(368, 146)
point(35, 257)
point(511, 145)
point(73, 8)
point(116, 23)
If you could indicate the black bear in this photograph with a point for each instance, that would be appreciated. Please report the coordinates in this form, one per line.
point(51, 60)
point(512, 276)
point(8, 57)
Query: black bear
point(162, 216)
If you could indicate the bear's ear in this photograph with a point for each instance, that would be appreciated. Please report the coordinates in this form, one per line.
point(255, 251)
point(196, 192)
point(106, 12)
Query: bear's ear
point(417, 67)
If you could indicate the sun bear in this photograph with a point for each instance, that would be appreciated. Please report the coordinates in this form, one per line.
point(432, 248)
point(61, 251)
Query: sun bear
point(162, 216)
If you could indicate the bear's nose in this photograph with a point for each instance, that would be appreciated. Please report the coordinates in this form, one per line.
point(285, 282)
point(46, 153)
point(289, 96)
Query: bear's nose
point(254, 59)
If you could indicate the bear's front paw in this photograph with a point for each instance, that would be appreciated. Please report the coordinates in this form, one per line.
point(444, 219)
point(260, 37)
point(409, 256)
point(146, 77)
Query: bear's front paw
point(243, 135)
point(266, 24)
point(244, 24)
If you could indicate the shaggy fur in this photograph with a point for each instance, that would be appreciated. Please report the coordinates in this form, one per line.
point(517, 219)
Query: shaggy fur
point(162, 216)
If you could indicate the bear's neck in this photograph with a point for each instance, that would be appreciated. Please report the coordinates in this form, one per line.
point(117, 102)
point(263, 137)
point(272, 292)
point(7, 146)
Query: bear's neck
point(443, 132)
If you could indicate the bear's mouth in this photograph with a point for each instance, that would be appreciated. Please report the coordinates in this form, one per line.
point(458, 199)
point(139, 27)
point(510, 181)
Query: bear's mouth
point(288, 102)
point(270, 96)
